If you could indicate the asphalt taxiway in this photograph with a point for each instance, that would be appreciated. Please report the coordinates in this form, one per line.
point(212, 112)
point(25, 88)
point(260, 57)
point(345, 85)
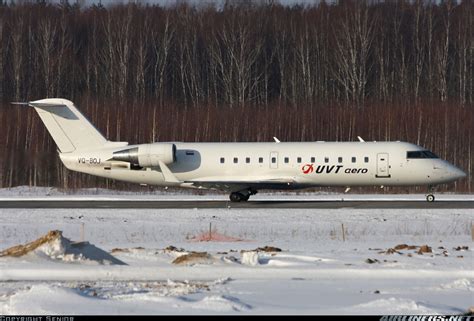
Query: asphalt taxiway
point(163, 204)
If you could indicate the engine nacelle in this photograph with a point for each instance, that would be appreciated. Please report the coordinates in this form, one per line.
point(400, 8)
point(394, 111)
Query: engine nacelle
point(148, 155)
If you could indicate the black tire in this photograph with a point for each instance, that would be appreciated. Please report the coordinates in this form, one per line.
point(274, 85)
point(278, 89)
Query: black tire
point(430, 198)
point(236, 197)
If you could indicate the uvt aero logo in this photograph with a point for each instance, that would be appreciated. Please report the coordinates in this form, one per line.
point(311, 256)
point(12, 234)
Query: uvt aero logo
point(327, 169)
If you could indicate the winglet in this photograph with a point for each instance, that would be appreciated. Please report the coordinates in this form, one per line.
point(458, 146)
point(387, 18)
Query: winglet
point(167, 174)
point(276, 140)
point(360, 139)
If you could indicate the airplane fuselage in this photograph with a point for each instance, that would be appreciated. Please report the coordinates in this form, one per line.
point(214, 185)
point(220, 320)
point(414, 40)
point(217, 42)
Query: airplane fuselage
point(290, 165)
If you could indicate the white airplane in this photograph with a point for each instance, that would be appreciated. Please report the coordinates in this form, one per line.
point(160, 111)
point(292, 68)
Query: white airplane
point(239, 168)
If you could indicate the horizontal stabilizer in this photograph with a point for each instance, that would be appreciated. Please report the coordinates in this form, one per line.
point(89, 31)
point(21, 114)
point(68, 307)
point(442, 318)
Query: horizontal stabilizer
point(36, 104)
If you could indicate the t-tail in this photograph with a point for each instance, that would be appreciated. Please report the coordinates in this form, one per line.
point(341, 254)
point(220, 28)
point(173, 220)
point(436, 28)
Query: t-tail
point(70, 130)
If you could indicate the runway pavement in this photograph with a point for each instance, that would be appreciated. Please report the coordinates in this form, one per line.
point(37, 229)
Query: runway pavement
point(163, 204)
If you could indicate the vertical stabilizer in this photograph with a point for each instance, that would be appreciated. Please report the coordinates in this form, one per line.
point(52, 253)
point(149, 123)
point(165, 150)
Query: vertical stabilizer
point(70, 130)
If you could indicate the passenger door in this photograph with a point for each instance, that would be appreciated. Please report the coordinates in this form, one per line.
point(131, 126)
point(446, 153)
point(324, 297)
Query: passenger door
point(383, 166)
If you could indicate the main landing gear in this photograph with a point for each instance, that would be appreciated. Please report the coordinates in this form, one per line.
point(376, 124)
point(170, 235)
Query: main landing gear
point(238, 197)
point(241, 196)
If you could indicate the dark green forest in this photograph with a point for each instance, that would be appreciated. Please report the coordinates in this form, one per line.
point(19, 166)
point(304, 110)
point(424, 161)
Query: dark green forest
point(244, 71)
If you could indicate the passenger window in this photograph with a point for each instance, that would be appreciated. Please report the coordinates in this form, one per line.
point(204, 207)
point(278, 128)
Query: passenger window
point(236, 160)
point(274, 160)
point(326, 159)
point(298, 159)
point(222, 160)
point(247, 160)
point(313, 159)
point(366, 159)
point(339, 159)
point(354, 159)
point(287, 160)
point(260, 160)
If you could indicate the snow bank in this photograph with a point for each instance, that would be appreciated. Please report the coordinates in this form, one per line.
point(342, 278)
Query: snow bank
point(392, 306)
point(50, 299)
point(250, 258)
point(56, 247)
point(194, 258)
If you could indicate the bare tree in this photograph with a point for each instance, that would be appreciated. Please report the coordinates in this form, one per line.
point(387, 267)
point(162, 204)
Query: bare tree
point(441, 52)
point(418, 46)
point(190, 54)
point(161, 42)
point(283, 51)
point(17, 52)
point(2, 46)
point(45, 39)
point(464, 46)
point(64, 44)
point(141, 58)
point(354, 37)
point(235, 55)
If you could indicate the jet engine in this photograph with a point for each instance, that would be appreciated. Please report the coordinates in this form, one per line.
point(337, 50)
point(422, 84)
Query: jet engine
point(147, 155)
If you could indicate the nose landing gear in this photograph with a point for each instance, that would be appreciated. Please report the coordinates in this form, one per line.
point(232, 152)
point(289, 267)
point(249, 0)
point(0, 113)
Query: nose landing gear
point(430, 197)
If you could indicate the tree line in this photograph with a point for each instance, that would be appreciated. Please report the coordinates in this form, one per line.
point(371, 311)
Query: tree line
point(245, 71)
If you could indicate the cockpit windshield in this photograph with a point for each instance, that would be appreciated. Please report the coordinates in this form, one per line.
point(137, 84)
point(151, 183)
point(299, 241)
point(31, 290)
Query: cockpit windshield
point(421, 154)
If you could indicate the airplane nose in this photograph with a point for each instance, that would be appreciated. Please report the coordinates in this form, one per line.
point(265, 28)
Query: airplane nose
point(456, 173)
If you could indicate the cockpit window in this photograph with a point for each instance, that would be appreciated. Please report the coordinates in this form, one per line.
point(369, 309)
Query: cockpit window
point(429, 154)
point(421, 154)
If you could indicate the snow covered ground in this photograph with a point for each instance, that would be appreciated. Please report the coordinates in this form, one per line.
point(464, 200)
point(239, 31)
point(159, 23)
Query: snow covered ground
point(320, 269)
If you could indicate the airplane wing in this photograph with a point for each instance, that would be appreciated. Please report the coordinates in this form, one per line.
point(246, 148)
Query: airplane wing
point(239, 184)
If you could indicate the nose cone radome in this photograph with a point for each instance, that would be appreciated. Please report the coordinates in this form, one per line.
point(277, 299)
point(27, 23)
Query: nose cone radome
point(456, 173)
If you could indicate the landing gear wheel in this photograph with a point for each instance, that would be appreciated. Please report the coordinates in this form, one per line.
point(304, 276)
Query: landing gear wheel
point(237, 197)
point(430, 198)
